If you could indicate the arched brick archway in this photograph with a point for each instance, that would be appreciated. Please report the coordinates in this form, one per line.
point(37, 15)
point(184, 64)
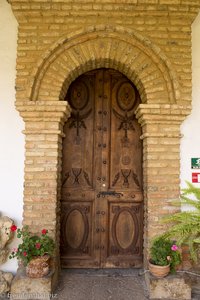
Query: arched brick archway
point(160, 116)
point(105, 46)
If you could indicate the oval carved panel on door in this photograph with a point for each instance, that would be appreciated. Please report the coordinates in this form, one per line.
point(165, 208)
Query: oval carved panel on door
point(124, 229)
point(75, 229)
point(102, 160)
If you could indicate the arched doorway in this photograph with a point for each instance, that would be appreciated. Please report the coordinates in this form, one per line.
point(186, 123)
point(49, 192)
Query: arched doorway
point(102, 199)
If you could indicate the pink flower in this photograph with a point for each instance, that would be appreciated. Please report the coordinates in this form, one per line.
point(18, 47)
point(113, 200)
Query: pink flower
point(15, 250)
point(13, 228)
point(37, 245)
point(44, 231)
point(25, 253)
point(174, 248)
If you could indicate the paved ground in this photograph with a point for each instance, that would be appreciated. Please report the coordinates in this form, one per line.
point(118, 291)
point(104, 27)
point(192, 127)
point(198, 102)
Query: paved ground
point(101, 285)
point(85, 284)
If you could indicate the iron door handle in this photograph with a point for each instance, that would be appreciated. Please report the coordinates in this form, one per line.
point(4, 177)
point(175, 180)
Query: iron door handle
point(110, 193)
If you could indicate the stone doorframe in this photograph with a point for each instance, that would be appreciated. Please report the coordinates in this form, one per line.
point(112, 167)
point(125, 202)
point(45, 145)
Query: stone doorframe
point(44, 113)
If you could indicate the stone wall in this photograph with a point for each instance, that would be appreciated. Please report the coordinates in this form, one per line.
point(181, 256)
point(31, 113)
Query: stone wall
point(149, 42)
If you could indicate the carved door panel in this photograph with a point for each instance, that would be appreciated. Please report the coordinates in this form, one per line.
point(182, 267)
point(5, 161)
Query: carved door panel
point(80, 155)
point(102, 201)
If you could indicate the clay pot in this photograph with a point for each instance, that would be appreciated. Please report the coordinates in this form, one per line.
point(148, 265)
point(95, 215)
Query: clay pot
point(159, 271)
point(38, 267)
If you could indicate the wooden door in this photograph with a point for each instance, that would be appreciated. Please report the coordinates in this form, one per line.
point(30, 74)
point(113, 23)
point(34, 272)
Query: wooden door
point(102, 200)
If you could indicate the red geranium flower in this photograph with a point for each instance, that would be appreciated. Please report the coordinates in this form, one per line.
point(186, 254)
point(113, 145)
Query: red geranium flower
point(44, 231)
point(13, 228)
point(37, 245)
point(25, 253)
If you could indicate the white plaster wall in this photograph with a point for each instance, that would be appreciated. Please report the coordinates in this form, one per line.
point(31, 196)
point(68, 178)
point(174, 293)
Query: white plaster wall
point(11, 126)
point(190, 144)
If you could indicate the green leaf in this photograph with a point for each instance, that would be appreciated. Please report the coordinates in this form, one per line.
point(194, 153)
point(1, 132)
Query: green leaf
point(185, 225)
point(197, 240)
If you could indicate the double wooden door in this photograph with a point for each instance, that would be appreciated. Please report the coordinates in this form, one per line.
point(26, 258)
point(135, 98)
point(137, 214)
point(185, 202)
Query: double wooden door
point(102, 200)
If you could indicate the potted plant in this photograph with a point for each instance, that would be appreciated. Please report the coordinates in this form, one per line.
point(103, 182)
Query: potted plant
point(34, 251)
point(185, 225)
point(164, 257)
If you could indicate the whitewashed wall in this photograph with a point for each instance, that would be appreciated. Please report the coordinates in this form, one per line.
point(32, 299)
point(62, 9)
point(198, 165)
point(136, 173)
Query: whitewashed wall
point(11, 125)
point(190, 144)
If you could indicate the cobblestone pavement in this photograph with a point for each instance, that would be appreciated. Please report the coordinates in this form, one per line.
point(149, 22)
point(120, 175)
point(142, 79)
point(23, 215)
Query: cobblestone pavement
point(101, 285)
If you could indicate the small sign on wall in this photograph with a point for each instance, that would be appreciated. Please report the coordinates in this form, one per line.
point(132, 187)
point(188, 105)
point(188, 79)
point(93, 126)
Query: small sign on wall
point(195, 163)
point(195, 177)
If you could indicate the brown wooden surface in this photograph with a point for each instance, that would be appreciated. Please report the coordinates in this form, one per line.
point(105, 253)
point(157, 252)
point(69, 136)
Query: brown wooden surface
point(102, 200)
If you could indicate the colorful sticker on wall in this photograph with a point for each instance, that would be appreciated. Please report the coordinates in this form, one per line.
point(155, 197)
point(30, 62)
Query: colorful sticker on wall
point(195, 177)
point(195, 163)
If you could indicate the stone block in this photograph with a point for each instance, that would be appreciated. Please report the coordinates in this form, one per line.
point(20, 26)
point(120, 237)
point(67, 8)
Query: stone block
point(6, 237)
point(5, 282)
point(31, 288)
point(170, 287)
point(5, 234)
point(3, 255)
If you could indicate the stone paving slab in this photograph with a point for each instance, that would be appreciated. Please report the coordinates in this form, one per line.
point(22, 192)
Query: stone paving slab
point(101, 285)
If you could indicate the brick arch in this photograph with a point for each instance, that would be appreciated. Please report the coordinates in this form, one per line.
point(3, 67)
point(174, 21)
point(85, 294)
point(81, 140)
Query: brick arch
point(106, 46)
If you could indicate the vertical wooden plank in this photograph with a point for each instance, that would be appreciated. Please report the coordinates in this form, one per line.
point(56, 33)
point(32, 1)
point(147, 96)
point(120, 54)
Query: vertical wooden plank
point(123, 219)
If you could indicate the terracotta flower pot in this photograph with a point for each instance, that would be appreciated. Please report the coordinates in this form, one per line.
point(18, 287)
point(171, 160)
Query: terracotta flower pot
point(159, 271)
point(38, 267)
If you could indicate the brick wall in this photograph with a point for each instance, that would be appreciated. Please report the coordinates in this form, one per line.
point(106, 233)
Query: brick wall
point(167, 24)
point(149, 42)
